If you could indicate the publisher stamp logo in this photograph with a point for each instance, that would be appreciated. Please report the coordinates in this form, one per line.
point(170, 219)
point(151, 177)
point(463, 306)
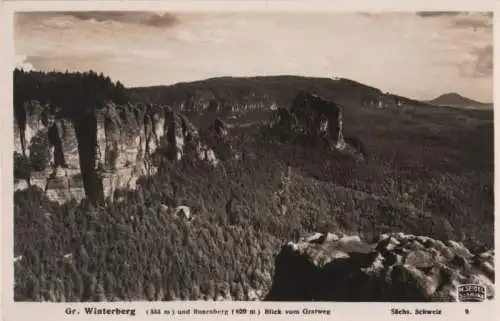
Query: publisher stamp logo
point(471, 293)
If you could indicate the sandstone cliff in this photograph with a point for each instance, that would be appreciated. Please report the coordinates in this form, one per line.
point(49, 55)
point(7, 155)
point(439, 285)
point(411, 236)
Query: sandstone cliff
point(316, 121)
point(104, 151)
point(398, 267)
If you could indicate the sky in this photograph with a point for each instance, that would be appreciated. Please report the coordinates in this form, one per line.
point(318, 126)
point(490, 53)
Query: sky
point(420, 55)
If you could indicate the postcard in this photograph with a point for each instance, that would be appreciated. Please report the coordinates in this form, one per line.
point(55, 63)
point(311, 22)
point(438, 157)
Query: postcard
point(248, 159)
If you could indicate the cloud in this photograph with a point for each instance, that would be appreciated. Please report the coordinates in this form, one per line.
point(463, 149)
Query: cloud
point(477, 64)
point(131, 47)
point(23, 62)
point(429, 14)
point(468, 38)
point(484, 61)
point(461, 19)
point(475, 21)
point(151, 19)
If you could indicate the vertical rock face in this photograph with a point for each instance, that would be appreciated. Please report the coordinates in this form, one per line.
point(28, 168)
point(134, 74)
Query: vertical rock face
point(69, 144)
point(101, 152)
point(215, 143)
point(122, 143)
point(124, 135)
point(34, 127)
point(180, 135)
point(27, 124)
point(318, 120)
point(318, 117)
point(220, 128)
point(312, 117)
point(18, 148)
point(50, 147)
point(398, 267)
point(183, 139)
point(67, 180)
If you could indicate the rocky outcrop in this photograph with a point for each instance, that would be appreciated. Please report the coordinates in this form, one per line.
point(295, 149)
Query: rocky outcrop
point(46, 152)
point(398, 267)
point(319, 121)
point(192, 98)
point(101, 152)
point(123, 137)
point(381, 101)
point(216, 139)
point(318, 118)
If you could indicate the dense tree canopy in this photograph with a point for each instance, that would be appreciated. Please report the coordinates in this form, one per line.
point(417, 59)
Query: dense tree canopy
point(70, 93)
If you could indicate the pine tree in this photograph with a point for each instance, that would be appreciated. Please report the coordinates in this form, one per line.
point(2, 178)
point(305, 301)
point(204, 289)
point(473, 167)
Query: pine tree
point(172, 295)
point(150, 291)
point(109, 283)
point(100, 293)
point(196, 292)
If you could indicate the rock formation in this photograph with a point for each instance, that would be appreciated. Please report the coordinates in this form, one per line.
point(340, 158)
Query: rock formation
point(398, 267)
point(318, 118)
point(107, 150)
point(46, 147)
point(319, 121)
point(125, 135)
point(220, 128)
point(216, 138)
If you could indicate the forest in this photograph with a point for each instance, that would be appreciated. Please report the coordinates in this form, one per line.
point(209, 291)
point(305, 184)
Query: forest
point(131, 250)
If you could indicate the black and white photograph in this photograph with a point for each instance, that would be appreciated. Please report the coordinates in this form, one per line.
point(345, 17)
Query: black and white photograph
point(252, 156)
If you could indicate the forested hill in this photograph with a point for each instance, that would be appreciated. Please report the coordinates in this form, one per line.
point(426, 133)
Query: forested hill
point(75, 90)
point(271, 89)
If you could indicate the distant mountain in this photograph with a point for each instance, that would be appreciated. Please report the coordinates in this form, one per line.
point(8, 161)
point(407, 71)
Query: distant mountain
point(457, 100)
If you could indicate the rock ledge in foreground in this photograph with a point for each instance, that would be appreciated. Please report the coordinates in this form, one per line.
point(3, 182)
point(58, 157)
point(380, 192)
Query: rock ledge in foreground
point(397, 268)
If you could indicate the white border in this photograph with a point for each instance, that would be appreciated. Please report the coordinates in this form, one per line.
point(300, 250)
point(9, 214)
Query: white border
point(344, 311)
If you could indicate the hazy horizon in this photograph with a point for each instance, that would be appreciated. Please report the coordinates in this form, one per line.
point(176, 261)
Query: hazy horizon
point(418, 55)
